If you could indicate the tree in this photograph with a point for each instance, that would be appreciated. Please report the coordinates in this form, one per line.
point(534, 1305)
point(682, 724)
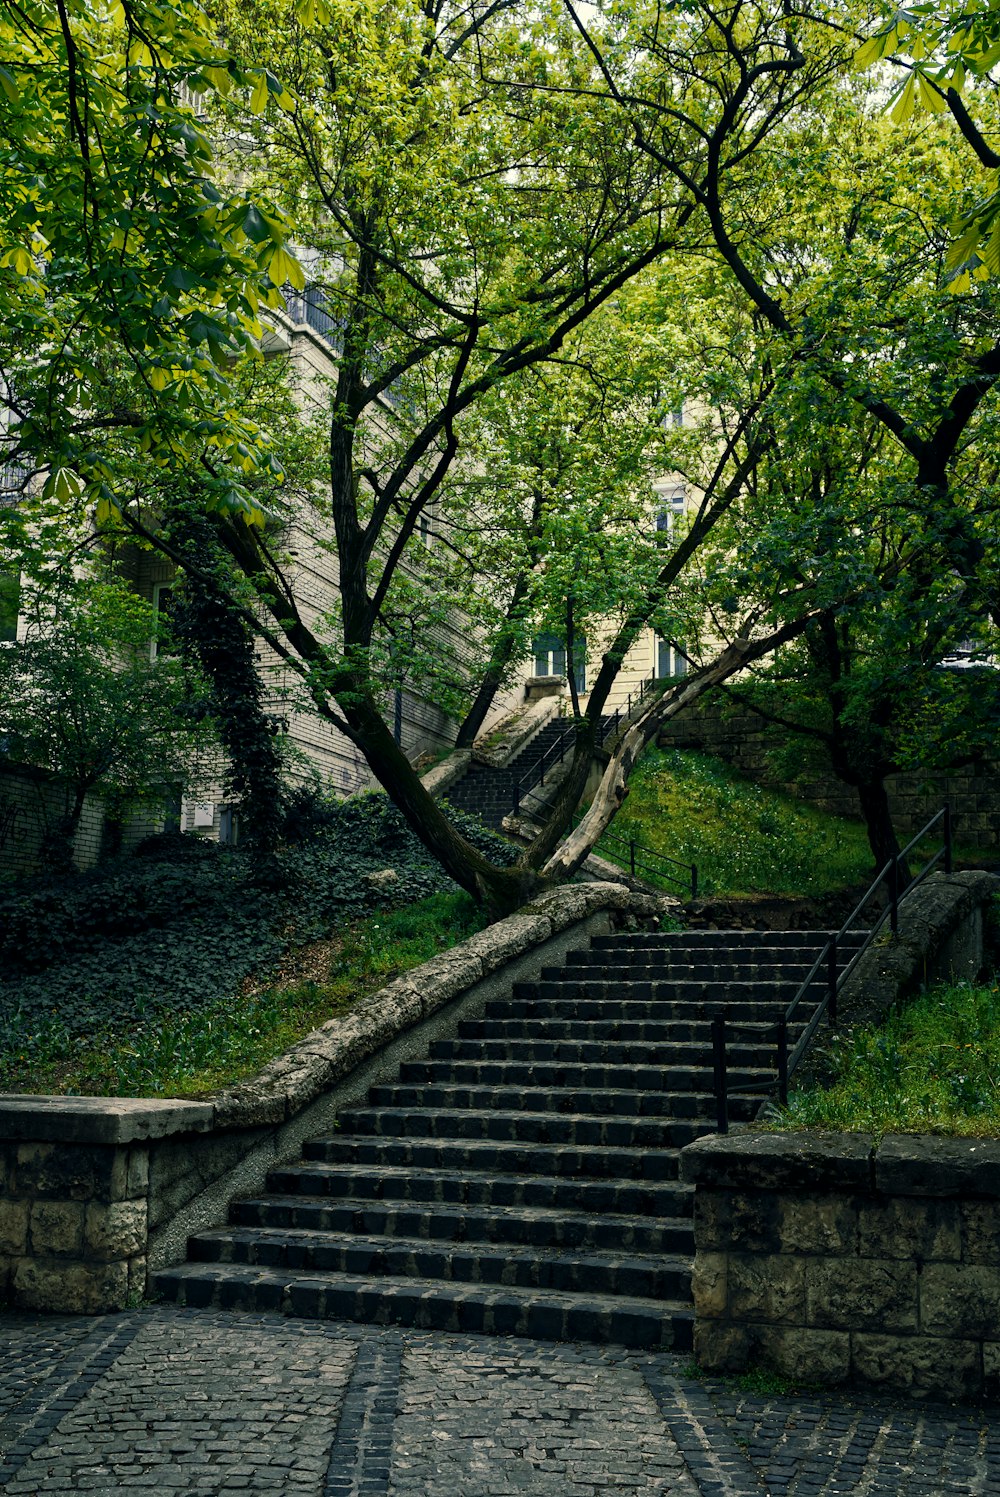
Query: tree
point(79, 696)
point(473, 205)
point(947, 54)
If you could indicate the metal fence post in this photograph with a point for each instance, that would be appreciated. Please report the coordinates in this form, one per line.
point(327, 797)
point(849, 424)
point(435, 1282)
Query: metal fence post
point(631, 858)
point(694, 880)
point(832, 979)
point(947, 837)
point(894, 896)
point(719, 1067)
point(783, 1062)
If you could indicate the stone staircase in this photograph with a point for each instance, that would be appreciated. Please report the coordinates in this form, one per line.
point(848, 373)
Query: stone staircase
point(488, 792)
point(523, 1179)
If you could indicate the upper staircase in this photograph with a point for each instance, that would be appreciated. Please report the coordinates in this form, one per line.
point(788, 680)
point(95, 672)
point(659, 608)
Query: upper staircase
point(523, 1178)
point(488, 792)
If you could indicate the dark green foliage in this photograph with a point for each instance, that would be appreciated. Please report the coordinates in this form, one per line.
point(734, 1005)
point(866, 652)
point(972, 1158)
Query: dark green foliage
point(220, 640)
point(180, 926)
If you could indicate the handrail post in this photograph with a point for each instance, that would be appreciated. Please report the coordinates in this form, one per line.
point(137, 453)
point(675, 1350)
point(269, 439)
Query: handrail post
point(832, 979)
point(894, 895)
point(631, 858)
point(694, 880)
point(947, 836)
point(517, 797)
point(783, 1062)
point(719, 1067)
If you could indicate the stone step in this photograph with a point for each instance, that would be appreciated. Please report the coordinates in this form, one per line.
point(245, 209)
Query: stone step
point(432, 1305)
point(758, 1042)
point(455, 1121)
point(385, 1183)
point(524, 1225)
point(607, 1103)
point(508, 1158)
point(522, 1179)
point(693, 1023)
point(745, 1014)
point(664, 990)
point(584, 1053)
point(375, 1256)
point(573, 1074)
point(785, 940)
point(671, 969)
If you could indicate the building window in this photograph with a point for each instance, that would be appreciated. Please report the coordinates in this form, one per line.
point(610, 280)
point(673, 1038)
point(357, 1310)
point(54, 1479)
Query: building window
point(229, 826)
point(549, 653)
point(164, 601)
point(670, 506)
point(10, 603)
point(671, 662)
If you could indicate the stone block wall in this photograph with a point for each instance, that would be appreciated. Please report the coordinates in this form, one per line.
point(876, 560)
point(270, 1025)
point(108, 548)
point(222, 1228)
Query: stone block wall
point(717, 726)
point(834, 1259)
point(73, 1223)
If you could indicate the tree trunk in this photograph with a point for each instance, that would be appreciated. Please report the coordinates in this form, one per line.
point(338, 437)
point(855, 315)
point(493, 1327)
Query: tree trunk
point(500, 659)
point(500, 890)
point(874, 800)
point(572, 853)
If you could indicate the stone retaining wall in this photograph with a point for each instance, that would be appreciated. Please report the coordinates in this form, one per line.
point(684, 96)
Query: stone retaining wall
point(717, 726)
point(94, 1192)
point(833, 1259)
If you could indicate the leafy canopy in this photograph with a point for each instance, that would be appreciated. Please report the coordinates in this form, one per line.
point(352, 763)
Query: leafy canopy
point(130, 276)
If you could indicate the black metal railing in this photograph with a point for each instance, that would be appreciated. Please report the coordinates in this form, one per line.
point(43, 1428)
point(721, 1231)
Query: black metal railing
point(643, 859)
point(535, 773)
point(828, 961)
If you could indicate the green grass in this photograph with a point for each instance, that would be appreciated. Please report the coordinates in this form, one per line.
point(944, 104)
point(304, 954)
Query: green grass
point(743, 838)
point(933, 1067)
point(231, 1038)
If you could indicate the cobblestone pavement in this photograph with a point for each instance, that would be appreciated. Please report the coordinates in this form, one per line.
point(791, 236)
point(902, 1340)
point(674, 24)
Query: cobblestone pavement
point(187, 1401)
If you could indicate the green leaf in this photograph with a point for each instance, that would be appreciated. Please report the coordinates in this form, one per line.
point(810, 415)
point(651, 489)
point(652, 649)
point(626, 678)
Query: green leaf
point(904, 106)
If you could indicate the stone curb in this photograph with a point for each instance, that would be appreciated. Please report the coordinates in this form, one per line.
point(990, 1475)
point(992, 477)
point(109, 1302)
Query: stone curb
point(441, 778)
point(502, 743)
point(892, 968)
point(337, 1047)
point(911, 1164)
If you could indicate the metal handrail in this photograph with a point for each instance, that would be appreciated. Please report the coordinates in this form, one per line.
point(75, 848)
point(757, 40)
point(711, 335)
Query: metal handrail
point(639, 854)
point(786, 1062)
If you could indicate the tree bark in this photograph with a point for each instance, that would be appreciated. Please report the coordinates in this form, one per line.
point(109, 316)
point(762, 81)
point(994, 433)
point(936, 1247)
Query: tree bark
point(500, 658)
point(613, 788)
point(874, 801)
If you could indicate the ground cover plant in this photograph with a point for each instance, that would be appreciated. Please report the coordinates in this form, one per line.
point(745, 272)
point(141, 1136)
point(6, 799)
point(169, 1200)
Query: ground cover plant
point(932, 1067)
point(745, 839)
point(176, 971)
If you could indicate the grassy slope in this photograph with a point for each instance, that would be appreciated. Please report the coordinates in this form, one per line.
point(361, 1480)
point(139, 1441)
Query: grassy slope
point(743, 838)
point(933, 1067)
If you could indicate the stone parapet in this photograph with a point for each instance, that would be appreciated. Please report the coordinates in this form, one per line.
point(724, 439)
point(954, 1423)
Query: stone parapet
point(95, 1191)
point(505, 740)
point(836, 1258)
